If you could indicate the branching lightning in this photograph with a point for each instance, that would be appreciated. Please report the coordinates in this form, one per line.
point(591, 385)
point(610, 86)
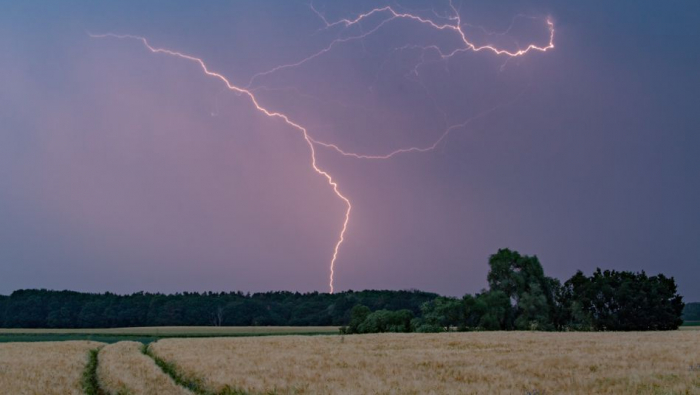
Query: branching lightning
point(454, 26)
point(269, 113)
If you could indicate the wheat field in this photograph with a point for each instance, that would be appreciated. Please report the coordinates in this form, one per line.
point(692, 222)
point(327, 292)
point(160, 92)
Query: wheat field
point(123, 369)
point(43, 368)
point(450, 363)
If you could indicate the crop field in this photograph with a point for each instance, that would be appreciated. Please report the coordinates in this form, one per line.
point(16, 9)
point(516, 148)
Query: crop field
point(123, 369)
point(447, 363)
point(43, 368)
point(457, 363)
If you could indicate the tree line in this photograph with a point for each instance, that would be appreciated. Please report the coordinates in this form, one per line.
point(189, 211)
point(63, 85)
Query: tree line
point(519, 297)
point(691, 312)
point(69, 309)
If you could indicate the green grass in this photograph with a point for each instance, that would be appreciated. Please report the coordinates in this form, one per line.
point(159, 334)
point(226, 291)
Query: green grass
point(89, 380)
point(171, 370)
point(187, 331)
point(192, 384)
point(28, 338)
point(690, 325)
point(150, 334)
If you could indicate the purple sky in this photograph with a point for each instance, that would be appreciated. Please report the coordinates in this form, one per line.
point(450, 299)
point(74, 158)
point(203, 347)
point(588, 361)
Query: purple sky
point(124, 170)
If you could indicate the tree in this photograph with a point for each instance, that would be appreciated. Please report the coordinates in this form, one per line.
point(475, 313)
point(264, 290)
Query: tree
point(625, 301)
point(441, 314)
point(382, 321)
point(532, 294)
point(358, 315)
point(218, 316)
point(489, 311)
point(534, 310)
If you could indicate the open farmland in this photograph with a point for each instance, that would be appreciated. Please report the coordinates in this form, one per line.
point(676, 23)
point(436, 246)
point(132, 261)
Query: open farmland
point(446, 363)
point(123, 369)
point(457, 363)
point(43, 368)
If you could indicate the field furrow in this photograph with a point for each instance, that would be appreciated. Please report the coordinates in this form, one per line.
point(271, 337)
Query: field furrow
point(456, 363)
point(123, 369)
point(43, 368)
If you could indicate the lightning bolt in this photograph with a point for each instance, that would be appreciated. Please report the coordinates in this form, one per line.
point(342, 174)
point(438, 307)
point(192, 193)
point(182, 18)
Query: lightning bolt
point(427, 148)
point(269, 113)
point(454, 25)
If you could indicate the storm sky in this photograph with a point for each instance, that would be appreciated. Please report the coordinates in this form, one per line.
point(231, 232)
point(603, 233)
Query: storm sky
point(123, 170)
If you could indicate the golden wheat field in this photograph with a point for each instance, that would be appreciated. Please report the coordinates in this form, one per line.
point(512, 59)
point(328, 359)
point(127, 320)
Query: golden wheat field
point(448, 363)
point(43, 368)
point(454, 363)
point(123, 369)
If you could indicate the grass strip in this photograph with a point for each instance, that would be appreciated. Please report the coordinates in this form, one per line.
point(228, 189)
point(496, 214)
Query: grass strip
point(89, 381)
point(109, 338)
point(171, 370)
point(193, 384)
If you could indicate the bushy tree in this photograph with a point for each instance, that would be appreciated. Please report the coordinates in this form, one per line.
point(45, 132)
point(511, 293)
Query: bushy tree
point(363, 320)
point(534, 311)
point(358, 315)
point(624, 301)
point(489, 311)
point(382, 321)
point(533, 295)
point(440, 315)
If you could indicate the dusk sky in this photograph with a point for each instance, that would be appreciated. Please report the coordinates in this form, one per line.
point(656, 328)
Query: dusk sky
point(125, 170)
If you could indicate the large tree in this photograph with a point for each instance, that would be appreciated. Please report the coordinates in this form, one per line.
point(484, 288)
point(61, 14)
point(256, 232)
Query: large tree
point(532, 294)
point(623, 301)
point(490, 310)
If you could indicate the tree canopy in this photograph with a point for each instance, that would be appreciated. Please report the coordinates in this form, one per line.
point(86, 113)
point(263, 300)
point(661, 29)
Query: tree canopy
point(622, 301)
point(520, 297)
point(68, 309)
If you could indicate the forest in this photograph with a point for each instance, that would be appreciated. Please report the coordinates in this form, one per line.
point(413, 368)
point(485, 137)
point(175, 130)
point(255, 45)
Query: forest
point(69, 309)
point(519, 297)
point(691, 312)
